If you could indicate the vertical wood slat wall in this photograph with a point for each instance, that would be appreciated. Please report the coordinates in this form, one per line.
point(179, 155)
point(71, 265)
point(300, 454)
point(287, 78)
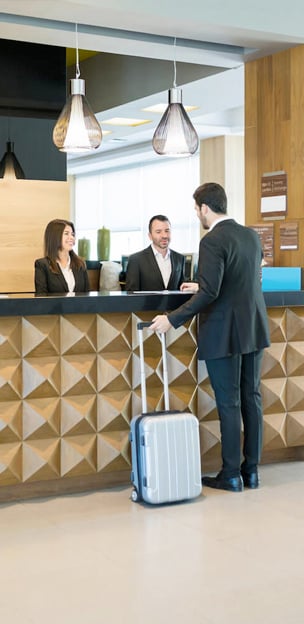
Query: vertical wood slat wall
point(222, 161)
point(274, 138)
point(26, 206)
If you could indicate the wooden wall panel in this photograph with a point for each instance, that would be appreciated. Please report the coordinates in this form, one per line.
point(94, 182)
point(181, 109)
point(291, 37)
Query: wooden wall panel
point(274, 138)
point(25, 208)
point(222, 161)
point(212, 160)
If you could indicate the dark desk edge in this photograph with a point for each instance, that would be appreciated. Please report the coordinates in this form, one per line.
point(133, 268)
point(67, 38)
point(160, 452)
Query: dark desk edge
point(27, 304)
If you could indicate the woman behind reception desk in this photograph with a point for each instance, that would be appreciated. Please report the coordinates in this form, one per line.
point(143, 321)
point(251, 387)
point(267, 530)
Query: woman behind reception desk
point(61, 270)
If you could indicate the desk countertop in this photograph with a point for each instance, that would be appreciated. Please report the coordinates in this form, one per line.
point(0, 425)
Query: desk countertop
point(27, 304)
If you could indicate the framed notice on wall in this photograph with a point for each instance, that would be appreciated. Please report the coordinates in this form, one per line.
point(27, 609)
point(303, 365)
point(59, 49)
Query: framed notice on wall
point(266, 234)
point(274, 194)
point(289, 236)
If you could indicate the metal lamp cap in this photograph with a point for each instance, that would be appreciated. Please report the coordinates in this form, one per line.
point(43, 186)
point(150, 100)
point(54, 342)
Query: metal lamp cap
point(77, 86)
point(175, 96)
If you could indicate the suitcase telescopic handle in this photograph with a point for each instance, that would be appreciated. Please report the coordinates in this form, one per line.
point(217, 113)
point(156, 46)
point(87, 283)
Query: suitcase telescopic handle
point(143, 324)
point(162, 338)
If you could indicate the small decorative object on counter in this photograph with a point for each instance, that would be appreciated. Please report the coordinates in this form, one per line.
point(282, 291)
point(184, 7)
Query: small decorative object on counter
point(84, 247)
point(103, 244)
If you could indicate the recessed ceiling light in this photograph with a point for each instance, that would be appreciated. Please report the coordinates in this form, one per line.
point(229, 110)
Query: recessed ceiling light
point(160, 108)
point(125, 121)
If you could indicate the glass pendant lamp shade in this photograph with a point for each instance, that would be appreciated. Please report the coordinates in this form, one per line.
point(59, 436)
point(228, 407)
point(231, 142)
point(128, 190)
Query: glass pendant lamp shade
point(77, 129)
point(175, 134)
point(9, 164)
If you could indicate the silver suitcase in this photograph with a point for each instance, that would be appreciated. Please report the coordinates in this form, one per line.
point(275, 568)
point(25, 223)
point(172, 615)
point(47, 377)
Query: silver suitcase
point(165, 447)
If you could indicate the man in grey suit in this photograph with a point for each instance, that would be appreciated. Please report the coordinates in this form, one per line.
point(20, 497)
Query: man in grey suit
point(233, 331)
point(157, 267)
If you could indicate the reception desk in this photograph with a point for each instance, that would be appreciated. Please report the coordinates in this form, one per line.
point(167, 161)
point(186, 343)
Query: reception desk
point(70, 384)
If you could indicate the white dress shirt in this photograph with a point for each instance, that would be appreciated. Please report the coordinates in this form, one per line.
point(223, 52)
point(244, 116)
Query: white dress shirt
point(164, 263)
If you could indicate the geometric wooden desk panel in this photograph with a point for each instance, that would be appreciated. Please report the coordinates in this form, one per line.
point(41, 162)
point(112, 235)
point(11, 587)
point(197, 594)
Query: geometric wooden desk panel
point(70, 384)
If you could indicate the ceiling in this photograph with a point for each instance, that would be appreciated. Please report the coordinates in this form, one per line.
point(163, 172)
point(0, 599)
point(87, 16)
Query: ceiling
point(216, 34)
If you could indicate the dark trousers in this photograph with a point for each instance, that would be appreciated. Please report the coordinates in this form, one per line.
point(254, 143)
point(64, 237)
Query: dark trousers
point(236, 384)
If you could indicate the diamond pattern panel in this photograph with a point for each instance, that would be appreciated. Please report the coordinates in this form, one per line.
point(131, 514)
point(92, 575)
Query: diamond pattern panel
point(295, 358)
point(294, 324)
point(274, 435)
point(295, 428)
point(10, 380)
point(41, 418)
point(114, 332)
point(10, 338)
point(114, 371)
point(78, 334)
point(114, 411)
point(41, 377)
point(70, 385)
point(210, 439)
point(274, 361)
point(113, 451)
point(78, 374)
point(10, 422)
point(78, 455)
point(40, 460)
point(40, 336)
point(277, 319)
point(78, 415)
point(11, 463)
point(274, 395)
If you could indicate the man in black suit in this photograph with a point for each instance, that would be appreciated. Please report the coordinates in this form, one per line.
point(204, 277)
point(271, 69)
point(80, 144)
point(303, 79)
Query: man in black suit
point(233, 331)
point(157, 267)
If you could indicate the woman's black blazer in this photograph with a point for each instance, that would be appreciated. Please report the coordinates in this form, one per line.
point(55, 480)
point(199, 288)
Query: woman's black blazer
point(46, 281)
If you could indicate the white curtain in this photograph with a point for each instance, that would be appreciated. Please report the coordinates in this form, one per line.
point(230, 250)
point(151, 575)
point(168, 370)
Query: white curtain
point(124, 201)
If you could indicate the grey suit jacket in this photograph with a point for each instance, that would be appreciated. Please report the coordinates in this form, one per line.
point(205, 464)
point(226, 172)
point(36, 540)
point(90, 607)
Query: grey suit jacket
point(230, 303)
point(143, 272)
point(46, 281)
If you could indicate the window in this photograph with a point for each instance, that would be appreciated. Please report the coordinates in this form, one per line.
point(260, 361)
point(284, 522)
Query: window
point(124, 201)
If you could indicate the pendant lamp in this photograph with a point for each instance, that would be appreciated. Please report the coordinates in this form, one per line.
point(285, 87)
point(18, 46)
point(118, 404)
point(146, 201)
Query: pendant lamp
point(9, 164)
point(175, 134)
point(77, 129)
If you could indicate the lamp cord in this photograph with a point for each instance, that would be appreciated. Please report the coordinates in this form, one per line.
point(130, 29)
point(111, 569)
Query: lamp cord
point(77, 52)
point(174, 63)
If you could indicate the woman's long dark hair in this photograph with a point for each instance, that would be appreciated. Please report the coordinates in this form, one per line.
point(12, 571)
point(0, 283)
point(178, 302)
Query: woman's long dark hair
point(53, 244)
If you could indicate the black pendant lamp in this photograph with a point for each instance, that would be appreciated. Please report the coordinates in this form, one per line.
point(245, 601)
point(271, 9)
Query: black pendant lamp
point(9, 164)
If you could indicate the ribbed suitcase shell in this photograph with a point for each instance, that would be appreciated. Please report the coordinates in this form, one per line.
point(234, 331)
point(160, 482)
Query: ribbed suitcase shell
point(165, 457)
point(166, 464)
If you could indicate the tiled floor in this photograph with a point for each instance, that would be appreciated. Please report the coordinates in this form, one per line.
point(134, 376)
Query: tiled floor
point(98, 558)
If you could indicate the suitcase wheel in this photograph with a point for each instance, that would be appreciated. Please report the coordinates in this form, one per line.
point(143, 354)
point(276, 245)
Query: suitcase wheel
point(134, 495)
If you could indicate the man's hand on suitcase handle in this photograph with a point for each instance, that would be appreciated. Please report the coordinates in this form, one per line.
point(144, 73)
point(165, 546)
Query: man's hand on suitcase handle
point(160, 323)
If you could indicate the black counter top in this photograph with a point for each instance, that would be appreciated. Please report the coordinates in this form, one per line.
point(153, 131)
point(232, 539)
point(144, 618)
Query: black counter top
point(286, 298)
point(28, 304)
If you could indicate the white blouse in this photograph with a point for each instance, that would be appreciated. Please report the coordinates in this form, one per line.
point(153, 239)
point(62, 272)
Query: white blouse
point(68, 275)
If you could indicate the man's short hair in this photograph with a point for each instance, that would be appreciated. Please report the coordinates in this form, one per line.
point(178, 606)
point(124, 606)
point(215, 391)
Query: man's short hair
point(157, 218)
point(213, 195)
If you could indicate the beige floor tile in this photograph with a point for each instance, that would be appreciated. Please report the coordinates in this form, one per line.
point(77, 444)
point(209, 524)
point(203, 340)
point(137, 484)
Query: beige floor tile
point(98, 558)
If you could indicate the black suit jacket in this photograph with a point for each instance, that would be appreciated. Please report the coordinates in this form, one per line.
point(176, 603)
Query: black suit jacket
point(143, 272)
point(232, 312)
point(46, 281)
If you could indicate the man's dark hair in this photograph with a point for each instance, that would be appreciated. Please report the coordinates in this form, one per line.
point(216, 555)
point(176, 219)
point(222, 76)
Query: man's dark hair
point(157, 218)
point(213, 195)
